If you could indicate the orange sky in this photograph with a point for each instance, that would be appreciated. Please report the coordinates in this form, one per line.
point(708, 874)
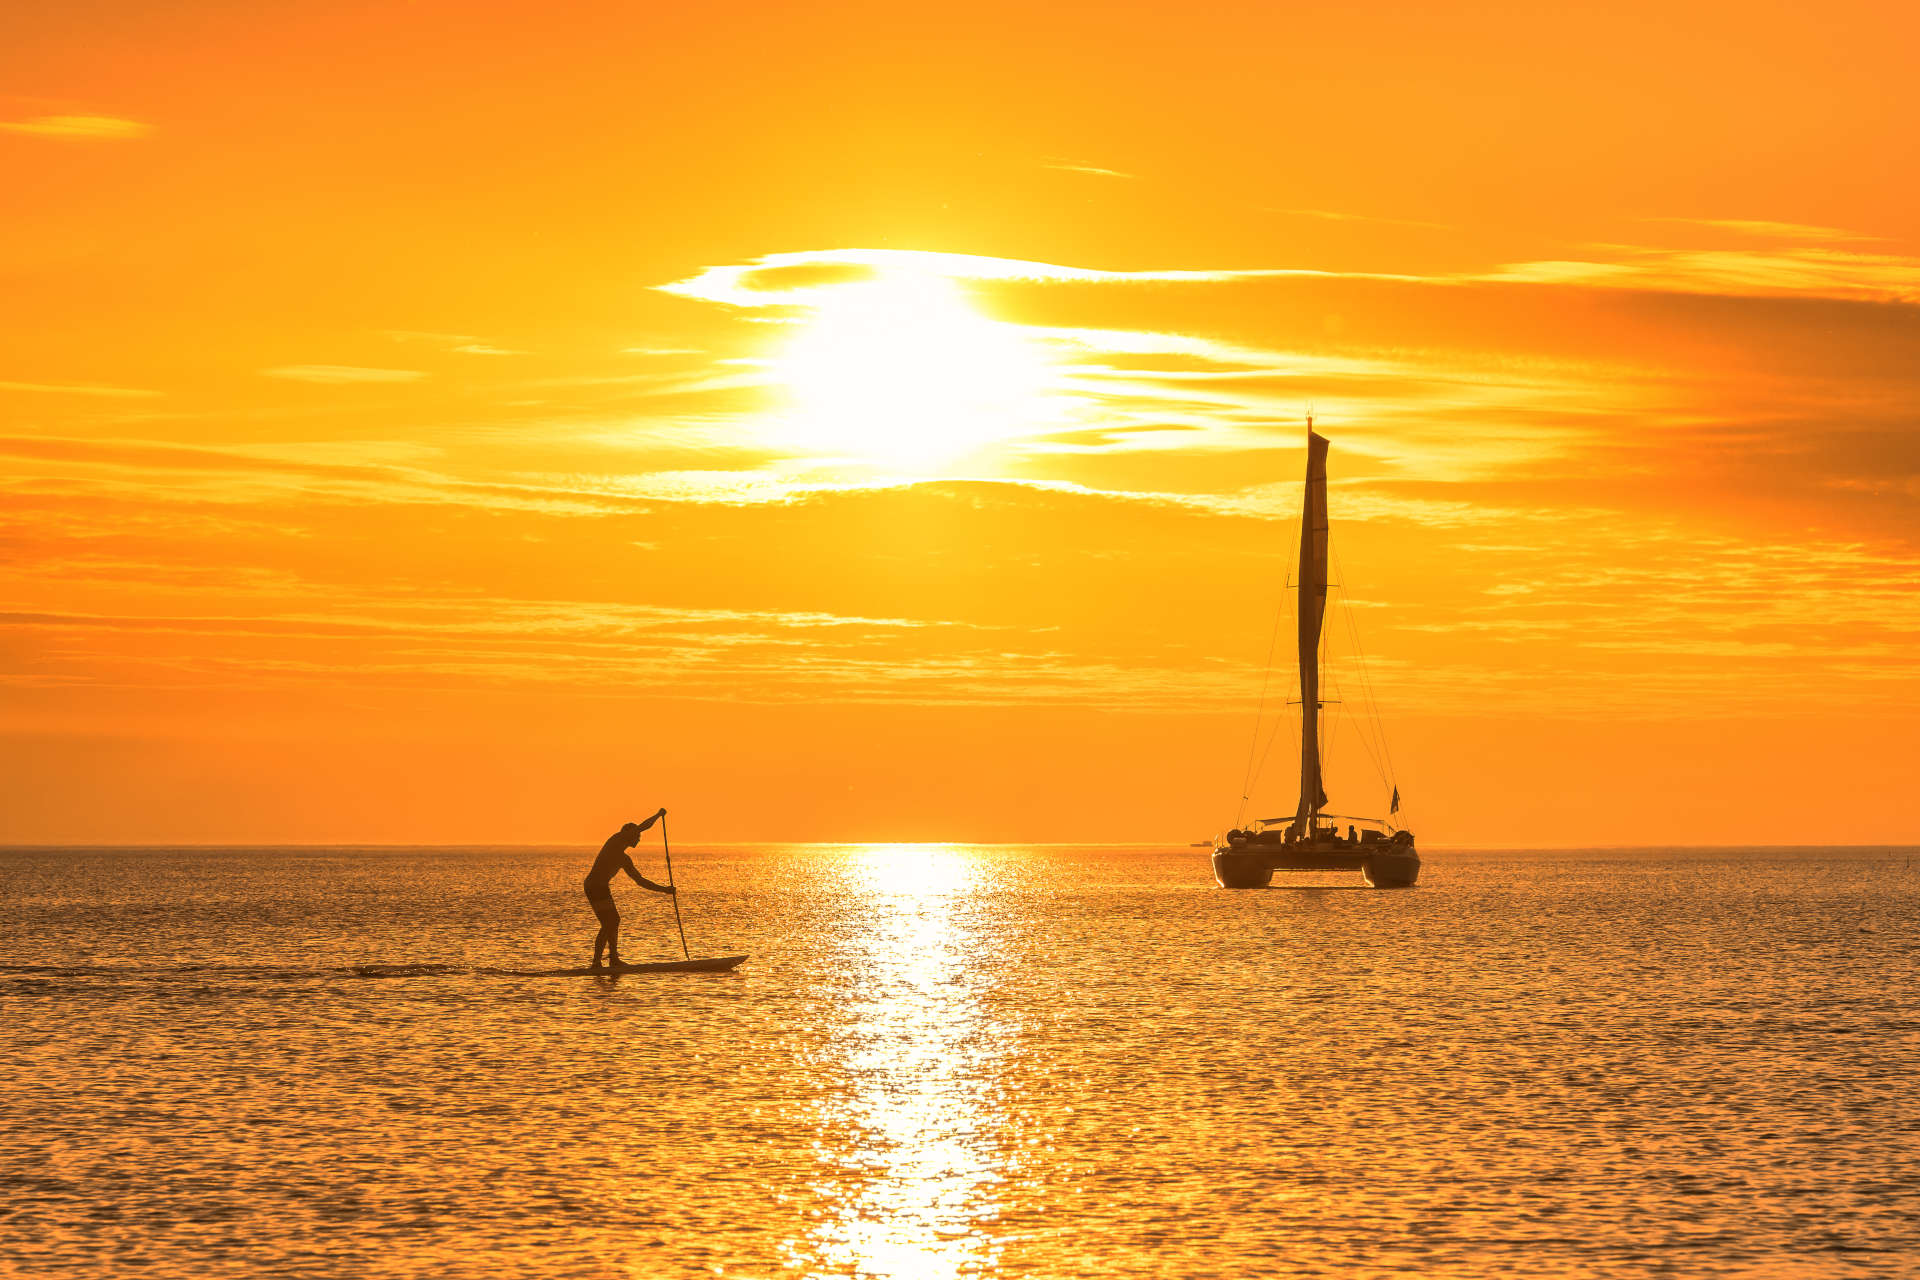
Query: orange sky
point(485, 423)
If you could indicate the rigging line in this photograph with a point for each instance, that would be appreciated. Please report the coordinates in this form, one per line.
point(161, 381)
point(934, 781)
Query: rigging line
point(1391, 773)
point(1288, 719)
point(1371, 702)
point(1360, 732)
point(1360, 724)
point(1266, 676)
point(1329, 734)
point(1279, 723)
point(1366, 678)
point(1293, 715)
point(1340, 719)
point(1330, 708)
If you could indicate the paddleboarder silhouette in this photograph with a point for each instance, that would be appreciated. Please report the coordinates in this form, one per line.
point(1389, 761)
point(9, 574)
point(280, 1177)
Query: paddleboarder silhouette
point(612, 860)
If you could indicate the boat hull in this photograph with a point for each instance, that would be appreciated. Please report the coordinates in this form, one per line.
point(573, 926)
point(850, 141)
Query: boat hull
point(1388, 866)
point(1394, 869)
point(1237, 870)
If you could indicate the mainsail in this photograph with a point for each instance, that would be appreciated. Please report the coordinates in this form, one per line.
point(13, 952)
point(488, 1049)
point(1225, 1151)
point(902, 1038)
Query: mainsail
point(1313, 607)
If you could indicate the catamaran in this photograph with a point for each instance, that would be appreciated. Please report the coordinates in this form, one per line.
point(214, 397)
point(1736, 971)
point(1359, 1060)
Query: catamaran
point(1310, 840)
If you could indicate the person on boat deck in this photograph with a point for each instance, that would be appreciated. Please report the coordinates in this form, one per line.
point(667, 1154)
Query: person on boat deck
point(613, 859)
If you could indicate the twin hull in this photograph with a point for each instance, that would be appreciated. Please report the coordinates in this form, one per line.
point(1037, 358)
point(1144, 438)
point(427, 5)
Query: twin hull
point(1389, 866)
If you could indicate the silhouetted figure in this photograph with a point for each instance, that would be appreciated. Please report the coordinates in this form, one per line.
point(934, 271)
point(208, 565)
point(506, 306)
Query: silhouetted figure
point(614, 858)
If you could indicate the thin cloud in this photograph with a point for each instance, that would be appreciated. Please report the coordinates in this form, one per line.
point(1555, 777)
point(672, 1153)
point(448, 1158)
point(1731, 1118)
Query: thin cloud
point(78, 127)
point(427, 335)
point(1774, 230)
point(756, 283)
point(460, 343)
point(1130, 391)
point(340, 374)
point(1093, 169)
point(1794, 272)
point(81, 389)
point(1334, 215)
point(1805, 269)
point(359, 472)
point(763, 656)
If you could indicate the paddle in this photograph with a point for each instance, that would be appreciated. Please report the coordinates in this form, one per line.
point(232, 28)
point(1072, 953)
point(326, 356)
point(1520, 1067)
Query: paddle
point(668, 848)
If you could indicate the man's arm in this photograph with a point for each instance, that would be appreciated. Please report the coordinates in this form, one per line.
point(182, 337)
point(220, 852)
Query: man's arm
point(641, 880)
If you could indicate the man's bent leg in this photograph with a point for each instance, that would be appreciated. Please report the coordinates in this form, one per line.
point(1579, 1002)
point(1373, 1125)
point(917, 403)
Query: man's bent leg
point(609, 936)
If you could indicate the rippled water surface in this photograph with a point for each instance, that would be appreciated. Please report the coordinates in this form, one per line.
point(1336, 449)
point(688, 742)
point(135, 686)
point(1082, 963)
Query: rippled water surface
point(957, 1061)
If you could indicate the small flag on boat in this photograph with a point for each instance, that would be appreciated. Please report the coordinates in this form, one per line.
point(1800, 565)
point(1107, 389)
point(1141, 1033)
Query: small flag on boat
point(1395, 806)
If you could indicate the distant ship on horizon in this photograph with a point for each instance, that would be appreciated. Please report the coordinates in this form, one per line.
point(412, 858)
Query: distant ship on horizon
point(1310, 840)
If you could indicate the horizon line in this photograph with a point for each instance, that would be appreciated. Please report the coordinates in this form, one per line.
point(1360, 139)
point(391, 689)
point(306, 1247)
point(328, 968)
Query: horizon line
point(1168, 846)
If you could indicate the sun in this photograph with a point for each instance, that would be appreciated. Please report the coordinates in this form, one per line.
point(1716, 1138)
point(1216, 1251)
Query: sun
point(901, 370)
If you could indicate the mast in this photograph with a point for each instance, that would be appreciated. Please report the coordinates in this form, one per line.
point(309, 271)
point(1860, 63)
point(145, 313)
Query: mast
point(1313, 607)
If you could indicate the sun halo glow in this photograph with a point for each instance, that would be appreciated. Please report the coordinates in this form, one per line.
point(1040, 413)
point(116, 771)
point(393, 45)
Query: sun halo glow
point(902, 370)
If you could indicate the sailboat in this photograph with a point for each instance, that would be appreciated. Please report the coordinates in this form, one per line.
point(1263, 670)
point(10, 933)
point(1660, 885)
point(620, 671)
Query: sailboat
point(1310, 840)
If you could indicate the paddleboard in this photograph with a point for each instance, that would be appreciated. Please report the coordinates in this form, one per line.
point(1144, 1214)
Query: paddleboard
point(706, 964)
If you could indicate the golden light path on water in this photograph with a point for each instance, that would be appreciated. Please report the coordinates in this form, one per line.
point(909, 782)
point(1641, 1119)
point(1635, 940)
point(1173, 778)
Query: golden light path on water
point(1044, 1062)
point(918, 1116)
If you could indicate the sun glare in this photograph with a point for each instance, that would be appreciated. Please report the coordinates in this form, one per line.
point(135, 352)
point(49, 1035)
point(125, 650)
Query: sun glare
point(902, 370)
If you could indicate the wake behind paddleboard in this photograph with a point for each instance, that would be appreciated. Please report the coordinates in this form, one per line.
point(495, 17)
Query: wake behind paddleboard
point(708, 964)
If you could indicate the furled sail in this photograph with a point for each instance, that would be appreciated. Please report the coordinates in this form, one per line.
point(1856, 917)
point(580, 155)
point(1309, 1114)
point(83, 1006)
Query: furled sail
point(1313, 607)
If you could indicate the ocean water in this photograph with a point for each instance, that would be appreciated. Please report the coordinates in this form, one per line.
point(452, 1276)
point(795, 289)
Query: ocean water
point(960, 1061)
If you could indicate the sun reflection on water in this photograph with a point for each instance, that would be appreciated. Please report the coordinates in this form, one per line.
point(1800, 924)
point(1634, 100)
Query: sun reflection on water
point(915, 1127)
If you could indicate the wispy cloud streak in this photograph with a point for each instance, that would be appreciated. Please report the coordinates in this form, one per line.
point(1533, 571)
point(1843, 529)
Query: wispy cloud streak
point(340, 374)
point(1089, 169)
point(760, 283)
point(81, 389)
point(78, 127)
point(1786, 271)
